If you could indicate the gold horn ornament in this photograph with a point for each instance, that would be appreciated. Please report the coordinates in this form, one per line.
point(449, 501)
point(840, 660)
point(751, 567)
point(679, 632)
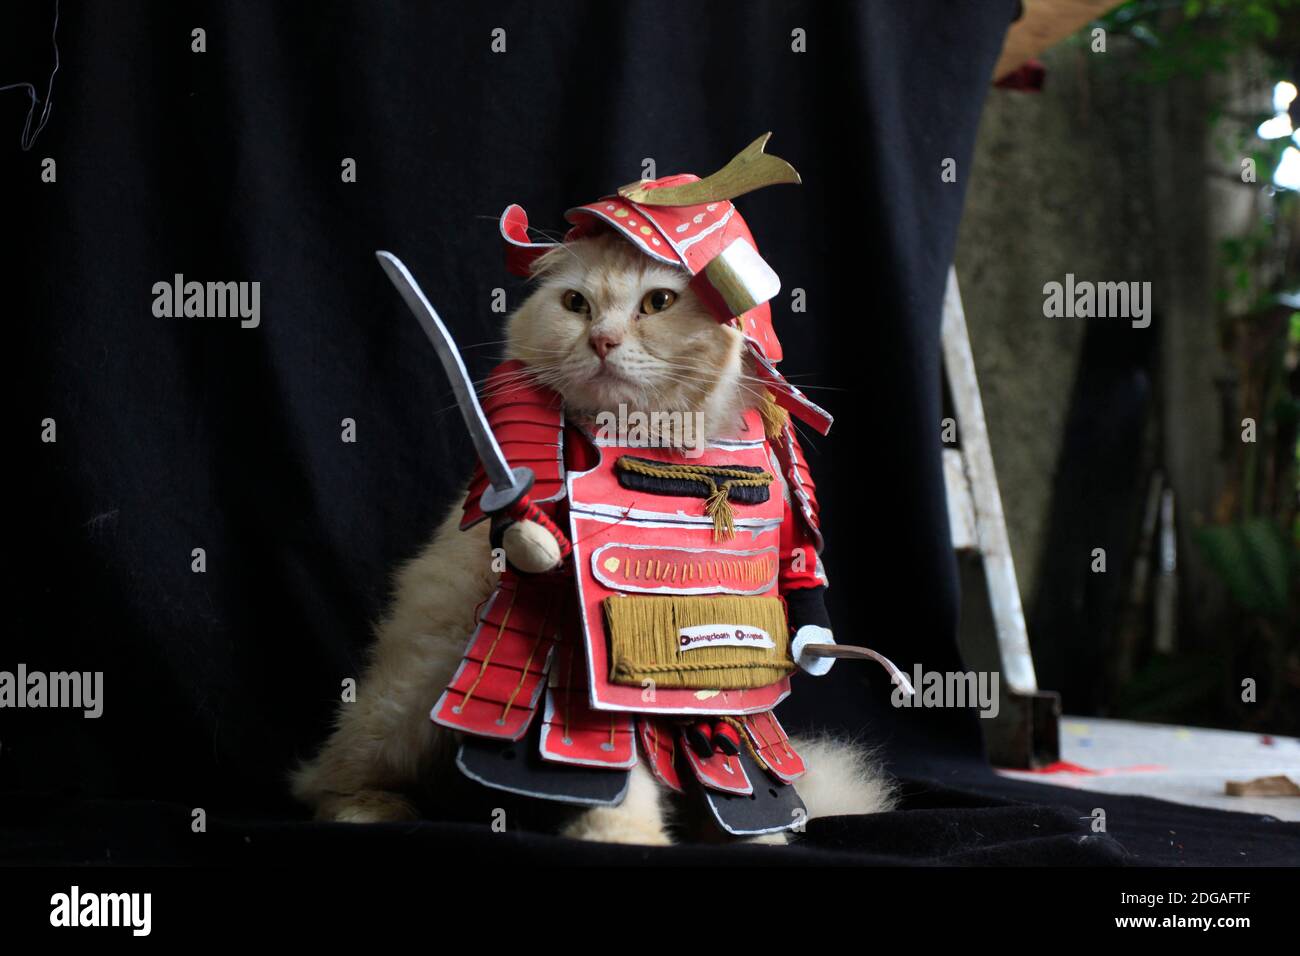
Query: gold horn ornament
point(748, 170)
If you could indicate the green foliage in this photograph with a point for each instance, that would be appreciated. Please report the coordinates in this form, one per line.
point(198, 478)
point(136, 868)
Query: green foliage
point(1246, 259)
point(1293, 339)
point(1189, 37)
point(1254, 560)
point(1172, 688)
point(1256, 553)
point(1240, 258)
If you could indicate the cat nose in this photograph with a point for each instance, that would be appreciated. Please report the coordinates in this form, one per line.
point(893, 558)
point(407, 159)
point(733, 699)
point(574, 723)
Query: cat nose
point(602, 343)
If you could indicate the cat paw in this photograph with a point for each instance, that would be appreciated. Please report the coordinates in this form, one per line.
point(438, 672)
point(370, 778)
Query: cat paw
point(604, 830)
point(367, 806)
point(770, 839)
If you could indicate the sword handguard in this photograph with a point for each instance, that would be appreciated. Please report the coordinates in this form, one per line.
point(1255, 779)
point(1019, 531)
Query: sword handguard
point(494, 499)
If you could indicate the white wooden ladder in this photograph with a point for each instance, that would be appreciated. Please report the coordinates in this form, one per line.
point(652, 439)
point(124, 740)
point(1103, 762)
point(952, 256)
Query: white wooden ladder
point(991, 630)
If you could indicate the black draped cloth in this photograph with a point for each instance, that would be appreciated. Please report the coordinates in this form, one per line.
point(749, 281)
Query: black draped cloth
point(175, 433)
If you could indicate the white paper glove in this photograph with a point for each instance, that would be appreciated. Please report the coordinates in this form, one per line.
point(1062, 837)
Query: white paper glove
point(812, 634)
point(531, 548)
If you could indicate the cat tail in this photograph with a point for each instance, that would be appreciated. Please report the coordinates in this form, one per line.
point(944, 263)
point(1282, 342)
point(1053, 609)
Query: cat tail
point(843, 778)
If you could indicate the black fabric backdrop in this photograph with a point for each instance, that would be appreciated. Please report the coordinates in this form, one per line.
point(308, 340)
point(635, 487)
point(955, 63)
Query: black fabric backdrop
point(179, 433)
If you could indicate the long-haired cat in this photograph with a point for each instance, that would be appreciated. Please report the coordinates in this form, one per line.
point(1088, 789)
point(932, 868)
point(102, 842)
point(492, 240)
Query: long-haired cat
point(386, 757)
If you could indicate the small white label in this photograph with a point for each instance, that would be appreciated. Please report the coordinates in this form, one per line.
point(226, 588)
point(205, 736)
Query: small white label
point(722, 635)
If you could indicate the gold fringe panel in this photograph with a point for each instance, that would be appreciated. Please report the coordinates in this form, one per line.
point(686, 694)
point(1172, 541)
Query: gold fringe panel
point(644, 643)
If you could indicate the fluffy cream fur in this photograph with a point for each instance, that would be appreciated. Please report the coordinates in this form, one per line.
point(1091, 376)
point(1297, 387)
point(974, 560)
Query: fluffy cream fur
point(384, 742)
point(640, 818)
point(842, 778)
point(384, 746)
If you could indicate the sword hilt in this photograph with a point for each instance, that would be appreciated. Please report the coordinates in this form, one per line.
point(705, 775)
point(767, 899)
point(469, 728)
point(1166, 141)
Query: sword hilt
point(525, 509)
point(513, 500)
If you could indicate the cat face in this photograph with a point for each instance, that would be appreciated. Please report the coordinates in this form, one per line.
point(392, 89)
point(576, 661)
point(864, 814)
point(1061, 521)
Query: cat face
point(609, 326)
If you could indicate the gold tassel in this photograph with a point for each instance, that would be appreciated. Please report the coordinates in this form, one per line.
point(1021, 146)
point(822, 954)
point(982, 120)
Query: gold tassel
point(718, 507)
point(773, 415)
point(717, 504)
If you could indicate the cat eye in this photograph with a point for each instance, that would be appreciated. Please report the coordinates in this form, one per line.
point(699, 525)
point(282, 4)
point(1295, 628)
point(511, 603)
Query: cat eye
point(574, 302)
point(657, 300)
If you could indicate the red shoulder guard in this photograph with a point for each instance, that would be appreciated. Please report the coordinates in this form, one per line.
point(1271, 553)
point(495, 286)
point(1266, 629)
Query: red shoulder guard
point(528, 421)
point(798, 478)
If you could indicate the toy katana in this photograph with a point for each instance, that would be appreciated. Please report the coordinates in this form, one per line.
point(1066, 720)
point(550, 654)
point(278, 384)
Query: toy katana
point(507, 489)
point(685, 598)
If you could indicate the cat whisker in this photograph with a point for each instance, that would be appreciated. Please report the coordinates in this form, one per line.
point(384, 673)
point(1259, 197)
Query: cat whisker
point(824, 388)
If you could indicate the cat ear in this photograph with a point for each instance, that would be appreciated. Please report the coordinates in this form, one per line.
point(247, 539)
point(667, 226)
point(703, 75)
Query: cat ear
point(748, 170)
point(521, 252)
point(544, 263)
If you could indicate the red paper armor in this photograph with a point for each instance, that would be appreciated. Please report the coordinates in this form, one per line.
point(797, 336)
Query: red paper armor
point(665, 637)
point(626, 542)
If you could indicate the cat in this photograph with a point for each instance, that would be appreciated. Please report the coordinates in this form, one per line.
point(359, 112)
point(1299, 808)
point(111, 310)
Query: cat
point(593, 331)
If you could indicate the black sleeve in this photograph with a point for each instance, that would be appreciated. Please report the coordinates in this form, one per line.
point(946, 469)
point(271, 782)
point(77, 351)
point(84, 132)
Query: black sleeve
point(807, 606)
point(497, 529)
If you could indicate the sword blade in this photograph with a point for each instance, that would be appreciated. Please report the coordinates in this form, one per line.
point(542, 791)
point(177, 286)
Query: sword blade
point(850, 652)
point(495, 466)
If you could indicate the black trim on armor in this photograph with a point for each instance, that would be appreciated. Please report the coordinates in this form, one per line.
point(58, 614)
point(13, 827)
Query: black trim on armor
point(688, 488)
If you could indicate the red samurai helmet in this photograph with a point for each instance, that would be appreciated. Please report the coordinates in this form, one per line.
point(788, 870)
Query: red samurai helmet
point(691, 223)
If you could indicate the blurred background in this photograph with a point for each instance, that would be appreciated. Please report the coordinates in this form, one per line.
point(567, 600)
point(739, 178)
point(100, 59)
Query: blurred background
point(1153, 533)
point(1158, 142)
